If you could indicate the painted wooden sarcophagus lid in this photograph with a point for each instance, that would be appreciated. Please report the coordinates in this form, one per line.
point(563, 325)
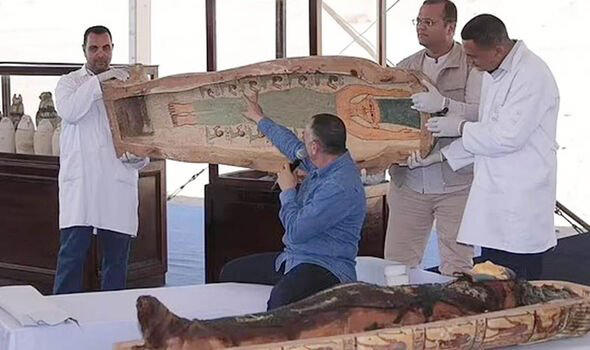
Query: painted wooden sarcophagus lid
point(197, 117)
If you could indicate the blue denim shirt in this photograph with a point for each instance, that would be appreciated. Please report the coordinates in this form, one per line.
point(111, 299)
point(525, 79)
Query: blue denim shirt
point(324, 217)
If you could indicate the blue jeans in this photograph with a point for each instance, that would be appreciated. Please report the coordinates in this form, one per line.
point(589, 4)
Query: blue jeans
point(74, 244)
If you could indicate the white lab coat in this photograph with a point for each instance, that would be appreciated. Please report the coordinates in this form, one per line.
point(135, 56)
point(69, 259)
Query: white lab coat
point(511, 202)
point(95, 187)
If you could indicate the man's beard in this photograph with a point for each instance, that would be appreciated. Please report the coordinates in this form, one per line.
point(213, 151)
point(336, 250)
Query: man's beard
point(99, 67)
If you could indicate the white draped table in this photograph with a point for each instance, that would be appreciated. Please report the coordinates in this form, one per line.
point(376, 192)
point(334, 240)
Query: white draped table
point(105, 318)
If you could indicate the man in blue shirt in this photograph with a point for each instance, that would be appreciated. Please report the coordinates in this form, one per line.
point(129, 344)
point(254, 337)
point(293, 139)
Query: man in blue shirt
point(322, 218)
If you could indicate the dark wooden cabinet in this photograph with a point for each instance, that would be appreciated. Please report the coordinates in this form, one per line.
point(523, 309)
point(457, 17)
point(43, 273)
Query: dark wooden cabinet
point(29, 232)
point(241, 218)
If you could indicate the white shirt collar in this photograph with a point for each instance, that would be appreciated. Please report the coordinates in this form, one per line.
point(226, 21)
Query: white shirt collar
point(86, 70)
point(508, 61)
point(439, 60)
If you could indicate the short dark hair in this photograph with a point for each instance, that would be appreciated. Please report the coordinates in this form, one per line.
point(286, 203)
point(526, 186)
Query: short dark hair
point(450, 10)
point(330, 132)
point(96, 30)
point(485, 30)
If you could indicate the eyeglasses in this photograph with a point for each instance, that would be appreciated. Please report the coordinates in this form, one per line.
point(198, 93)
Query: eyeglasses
point(426, 21)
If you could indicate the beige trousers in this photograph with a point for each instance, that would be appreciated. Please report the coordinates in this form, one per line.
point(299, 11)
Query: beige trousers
point(411, 215)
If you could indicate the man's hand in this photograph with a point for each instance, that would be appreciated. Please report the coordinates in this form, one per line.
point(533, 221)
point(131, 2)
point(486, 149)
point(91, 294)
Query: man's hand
point(428, 102)
point(445, 126)
point(416, 161)
point(113, 73)
point(253, 110)
point(300, 174)
point(286, 179)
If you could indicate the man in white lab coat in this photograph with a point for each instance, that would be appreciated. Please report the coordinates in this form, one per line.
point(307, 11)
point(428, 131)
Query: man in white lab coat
point(97, 191)
point(509, 211)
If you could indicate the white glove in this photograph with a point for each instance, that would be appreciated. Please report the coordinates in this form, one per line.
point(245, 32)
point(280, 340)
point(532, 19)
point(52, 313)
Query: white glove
point(445, 126)
point(416, 161)
point(113, 73)
point(428, 102)
point(133, 161)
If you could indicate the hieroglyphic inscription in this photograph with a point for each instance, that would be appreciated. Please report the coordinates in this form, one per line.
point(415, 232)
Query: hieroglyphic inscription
point(230, 132)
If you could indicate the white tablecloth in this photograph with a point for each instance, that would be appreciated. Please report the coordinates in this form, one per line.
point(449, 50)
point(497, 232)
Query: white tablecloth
point(108, 317)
